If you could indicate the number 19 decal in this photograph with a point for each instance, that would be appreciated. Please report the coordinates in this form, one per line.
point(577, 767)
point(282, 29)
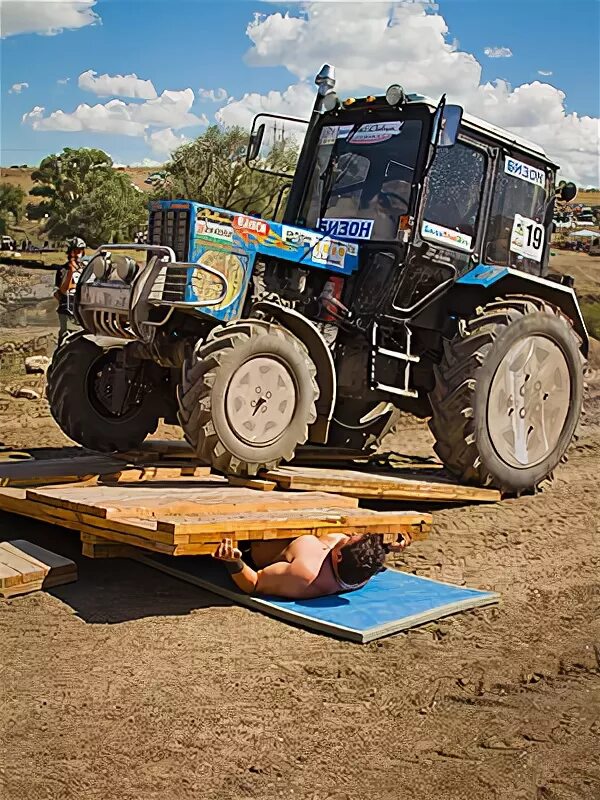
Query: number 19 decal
point(527, 238)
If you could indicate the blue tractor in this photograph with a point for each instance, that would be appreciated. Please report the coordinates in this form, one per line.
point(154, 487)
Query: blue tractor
point(408, 273)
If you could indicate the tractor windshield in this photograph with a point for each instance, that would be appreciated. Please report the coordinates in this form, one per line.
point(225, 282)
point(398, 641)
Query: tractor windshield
point(363, 179)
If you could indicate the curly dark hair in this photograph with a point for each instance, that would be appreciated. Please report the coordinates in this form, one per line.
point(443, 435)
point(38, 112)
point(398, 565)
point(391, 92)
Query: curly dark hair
point(361, 560)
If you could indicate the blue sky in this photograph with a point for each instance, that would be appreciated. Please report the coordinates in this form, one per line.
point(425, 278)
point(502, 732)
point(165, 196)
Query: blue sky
point(180, 46)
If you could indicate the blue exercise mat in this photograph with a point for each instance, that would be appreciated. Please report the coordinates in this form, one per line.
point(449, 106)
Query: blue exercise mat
point(392, 601)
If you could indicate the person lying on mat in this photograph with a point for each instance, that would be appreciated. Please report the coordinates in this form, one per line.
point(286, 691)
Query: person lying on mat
point(309, 566)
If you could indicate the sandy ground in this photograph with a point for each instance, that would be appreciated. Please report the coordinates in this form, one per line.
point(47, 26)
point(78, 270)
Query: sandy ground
point(129, 684)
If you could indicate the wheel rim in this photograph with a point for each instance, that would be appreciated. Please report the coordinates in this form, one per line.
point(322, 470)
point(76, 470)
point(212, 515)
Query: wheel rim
point(261, 400)
point(529, 401)
point(100, 377)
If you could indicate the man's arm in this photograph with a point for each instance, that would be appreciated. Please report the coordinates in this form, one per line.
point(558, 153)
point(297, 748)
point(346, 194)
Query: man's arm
point(283, 579)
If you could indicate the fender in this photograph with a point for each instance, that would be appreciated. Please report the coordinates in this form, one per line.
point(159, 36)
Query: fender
point(311, 337)
point(484, 283)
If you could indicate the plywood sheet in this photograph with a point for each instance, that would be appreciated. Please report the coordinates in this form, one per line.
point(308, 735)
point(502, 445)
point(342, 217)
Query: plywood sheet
point(361, 484)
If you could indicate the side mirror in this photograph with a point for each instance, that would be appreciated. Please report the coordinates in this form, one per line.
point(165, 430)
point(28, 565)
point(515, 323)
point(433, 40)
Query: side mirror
point(450, 125)
point(255, 143)
point(567, 192)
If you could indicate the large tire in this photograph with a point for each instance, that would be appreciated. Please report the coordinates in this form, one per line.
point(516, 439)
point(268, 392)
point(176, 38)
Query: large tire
point(70, 390)
point(221, 394)
point(508, 394)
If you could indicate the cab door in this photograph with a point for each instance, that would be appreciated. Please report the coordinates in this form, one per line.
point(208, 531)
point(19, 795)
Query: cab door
point(450, 224)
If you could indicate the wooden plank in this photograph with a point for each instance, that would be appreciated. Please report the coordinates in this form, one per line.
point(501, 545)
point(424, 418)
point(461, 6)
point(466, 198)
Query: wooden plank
point(61, 570)
point(338, 519)
point(360, 484)
point(22, 588)
point(55, 470)
point(58, 564)
point(9, 577)
point(29, 571)
point(260, 484)
point(144, 502)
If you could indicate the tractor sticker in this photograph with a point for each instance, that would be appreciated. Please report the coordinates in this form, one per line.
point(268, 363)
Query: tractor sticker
point(370, 133)
point(527, 238)
point(243, 226)
point(524, 172)
point(318, 249)
point(446, 236)
point(210, 231)
point(347, 228)
point(206, 286)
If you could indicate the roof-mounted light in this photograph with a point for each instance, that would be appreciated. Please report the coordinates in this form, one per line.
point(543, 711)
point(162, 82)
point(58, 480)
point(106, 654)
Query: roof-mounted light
point(330, 101)
point(395, 95)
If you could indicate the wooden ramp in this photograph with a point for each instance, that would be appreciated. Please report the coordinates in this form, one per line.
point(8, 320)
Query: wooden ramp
point(380, 485)
point(25, 567)
point(161, 500)
point(179, 518)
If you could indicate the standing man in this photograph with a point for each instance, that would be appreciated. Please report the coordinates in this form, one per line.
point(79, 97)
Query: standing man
point(65, 282)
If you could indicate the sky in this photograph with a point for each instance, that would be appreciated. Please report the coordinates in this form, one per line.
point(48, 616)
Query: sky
point(137, 78)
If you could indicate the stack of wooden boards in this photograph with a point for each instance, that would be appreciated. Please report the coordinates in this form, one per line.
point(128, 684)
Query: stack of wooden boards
point(178, 508)
point(25, 567)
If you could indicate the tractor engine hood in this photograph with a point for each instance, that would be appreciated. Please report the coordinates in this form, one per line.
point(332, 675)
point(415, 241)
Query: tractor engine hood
point(241, 234)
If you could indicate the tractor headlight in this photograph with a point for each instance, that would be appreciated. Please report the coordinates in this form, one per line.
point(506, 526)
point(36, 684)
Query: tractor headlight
point(100, 267)
point(395, 95)
point(126, 268)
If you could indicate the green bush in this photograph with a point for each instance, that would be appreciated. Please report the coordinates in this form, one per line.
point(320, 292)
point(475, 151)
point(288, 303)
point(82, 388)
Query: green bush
point(591, 315)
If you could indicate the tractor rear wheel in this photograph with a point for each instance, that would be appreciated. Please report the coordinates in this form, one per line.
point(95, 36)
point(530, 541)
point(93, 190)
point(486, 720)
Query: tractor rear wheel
point(247, 397)
point(96, 401)
point(508, 394)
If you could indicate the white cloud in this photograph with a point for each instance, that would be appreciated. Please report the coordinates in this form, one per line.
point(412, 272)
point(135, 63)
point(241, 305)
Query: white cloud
point(63, 81)
point(213, 95)
point(163, 142)
point(120, 85)
point(295, 101)
point(47, 17)
point(17, 88)
point(171, 109)
point(498, 52)
point(408, 43)
point(545, 72)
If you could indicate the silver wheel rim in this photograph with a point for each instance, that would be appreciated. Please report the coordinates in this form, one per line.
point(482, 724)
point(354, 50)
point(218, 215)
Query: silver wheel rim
point(529, 401)
point(261, 400)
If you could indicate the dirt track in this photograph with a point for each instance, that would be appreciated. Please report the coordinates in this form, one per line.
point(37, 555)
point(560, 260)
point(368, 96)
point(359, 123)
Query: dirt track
point(129, 684)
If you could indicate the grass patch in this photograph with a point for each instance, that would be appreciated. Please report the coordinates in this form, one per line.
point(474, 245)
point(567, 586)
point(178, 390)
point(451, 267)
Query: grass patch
point(591, 316)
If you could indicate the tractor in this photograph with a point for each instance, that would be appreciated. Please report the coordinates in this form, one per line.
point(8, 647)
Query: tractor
point(408, 273)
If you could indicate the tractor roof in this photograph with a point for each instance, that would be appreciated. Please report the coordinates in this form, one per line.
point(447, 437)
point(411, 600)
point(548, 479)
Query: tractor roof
point(496, 132)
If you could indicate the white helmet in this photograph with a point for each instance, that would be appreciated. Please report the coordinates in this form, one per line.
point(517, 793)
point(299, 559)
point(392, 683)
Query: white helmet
point(76, 243)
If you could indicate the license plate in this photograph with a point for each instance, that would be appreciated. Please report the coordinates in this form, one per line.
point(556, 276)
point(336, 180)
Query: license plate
point(108, 298)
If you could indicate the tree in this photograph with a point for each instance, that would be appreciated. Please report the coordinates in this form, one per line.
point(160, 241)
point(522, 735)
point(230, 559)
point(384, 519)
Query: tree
point(12, 199)
point(83, 195)
point(212, 170)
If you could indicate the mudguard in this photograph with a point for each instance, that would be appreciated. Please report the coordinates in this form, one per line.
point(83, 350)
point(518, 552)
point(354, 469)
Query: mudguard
point(484, 283)
point(309, 334)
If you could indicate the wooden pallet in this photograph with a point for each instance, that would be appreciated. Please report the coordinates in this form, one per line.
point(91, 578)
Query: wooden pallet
point(25, 567)
point(377, 485)
point(190, 519)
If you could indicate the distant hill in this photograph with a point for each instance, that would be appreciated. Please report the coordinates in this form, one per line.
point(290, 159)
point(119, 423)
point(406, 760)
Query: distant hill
point(22, 176)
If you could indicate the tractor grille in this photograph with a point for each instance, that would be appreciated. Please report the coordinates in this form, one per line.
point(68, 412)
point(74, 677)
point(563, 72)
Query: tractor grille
point(175, 283)
point(171, 227)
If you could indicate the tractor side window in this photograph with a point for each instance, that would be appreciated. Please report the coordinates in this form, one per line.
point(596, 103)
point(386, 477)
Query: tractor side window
point(454, 188)
point(516, 198)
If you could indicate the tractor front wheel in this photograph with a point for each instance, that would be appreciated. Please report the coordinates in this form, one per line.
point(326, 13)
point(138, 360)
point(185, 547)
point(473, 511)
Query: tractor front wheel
point(247, 397)
point(97, 400)
point(508, 394)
